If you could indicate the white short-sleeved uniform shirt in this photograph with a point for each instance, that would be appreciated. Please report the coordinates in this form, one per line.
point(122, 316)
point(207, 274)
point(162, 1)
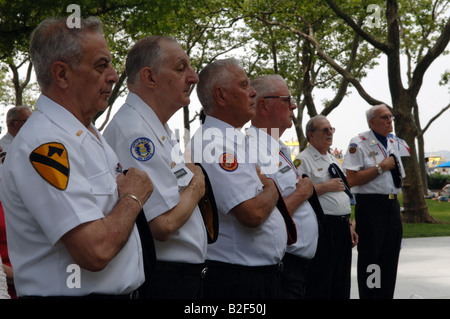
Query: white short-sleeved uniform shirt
point(366, 151)
point(316, 165)
point(6, 141)
point(140, 140)
point(57, 176)
point(221, 149)
point(274, 161)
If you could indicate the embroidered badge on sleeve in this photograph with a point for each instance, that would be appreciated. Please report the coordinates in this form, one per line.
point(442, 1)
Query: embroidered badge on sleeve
point(228, 162)
point(352, 148)
point(142, 149)
point(51, 161)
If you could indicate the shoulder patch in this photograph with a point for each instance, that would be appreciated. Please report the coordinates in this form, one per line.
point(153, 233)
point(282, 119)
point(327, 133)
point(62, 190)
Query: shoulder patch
point(297, 162)
point(228, 162)
point(51, 161)
point(352, 148)
point(142, 149)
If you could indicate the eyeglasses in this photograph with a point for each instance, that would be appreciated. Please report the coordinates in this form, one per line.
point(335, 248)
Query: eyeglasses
point(387, 117)
point(288, 97)
point(327, 130)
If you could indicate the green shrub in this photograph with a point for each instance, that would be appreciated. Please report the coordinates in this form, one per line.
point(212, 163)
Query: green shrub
point(437, 181)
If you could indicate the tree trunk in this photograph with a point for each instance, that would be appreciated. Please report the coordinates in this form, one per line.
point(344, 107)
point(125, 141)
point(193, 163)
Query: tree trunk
point(415, 207)
point(403, 101)
point(422, 164)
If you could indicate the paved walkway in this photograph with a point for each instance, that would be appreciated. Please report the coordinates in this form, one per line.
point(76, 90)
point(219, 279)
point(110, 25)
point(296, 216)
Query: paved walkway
point(423, 272)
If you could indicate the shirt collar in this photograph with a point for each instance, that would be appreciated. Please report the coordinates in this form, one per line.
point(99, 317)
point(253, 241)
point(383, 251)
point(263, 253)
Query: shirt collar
point(381, 138)
point(372, 140)
point(231, 133)
point(316, 154)
point(162, 132)
point(264, 139)
point(61, 116)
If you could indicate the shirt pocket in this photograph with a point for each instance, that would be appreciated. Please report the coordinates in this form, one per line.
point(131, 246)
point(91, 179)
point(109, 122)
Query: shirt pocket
point(104, 188)
point(373, 157)
point(183, 175)
point(286, 179)
point(320, 175)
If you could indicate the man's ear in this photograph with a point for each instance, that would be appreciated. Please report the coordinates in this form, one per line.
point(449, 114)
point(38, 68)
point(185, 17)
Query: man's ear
point(60, 73)
point(261, 105)
point(220, 95)
point(148, 76)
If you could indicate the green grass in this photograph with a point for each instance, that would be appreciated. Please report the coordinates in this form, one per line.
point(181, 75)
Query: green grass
point(439, 211)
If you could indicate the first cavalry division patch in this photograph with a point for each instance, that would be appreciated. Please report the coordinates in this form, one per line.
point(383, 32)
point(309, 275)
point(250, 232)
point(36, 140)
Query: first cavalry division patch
point(51, 161)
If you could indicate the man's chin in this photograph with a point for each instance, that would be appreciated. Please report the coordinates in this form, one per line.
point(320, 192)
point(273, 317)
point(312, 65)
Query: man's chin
point(102, 106)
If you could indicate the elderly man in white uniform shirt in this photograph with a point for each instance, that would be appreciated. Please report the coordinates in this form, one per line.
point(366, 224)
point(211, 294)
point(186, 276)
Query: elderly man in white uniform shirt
point(374, 171)
point(70, 224)
point(15, 119)
point(328, 276)
point(274, 112)
point(244, 261)
point(159, 80)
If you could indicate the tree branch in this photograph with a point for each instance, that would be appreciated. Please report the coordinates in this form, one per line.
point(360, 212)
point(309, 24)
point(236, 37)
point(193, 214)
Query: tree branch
point(379, 45)
point(434, 118)
point(343, 86)
point(393, 53)
point(369, 99)
point(425, 62)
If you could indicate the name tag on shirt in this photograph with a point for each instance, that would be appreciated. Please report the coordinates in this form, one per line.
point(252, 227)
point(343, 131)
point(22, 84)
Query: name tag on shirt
point(182, 174)
point(285, 169)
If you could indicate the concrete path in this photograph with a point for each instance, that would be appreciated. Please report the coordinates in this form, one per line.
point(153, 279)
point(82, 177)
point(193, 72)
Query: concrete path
point(423, 272)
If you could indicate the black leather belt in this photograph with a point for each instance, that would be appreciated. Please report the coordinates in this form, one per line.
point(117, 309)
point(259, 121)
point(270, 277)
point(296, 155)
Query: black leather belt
point(377, 196)
point(132, 295)
point(276, 268)
point(183, 269)
point(343, 218)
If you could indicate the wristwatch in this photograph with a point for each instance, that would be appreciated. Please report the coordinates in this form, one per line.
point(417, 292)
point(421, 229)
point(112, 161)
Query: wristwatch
point(380, 170)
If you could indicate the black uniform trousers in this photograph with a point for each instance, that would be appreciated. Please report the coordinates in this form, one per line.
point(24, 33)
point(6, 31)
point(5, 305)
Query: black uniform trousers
point(173, 280)
point(379, 227)
point(293, 277)
point(231, 281)
point(329, 273)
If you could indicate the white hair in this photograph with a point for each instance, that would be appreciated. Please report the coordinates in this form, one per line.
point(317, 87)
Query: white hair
point(370, 113)
point(215, 74)
point(53, 40)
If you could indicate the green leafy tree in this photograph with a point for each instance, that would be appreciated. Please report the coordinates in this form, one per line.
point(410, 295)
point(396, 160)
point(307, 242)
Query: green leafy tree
point(421, 31)
point(422, 35)
point(282, 33)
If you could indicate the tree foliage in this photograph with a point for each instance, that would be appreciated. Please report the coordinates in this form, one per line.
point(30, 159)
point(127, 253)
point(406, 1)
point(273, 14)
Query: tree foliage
point(313, 44)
